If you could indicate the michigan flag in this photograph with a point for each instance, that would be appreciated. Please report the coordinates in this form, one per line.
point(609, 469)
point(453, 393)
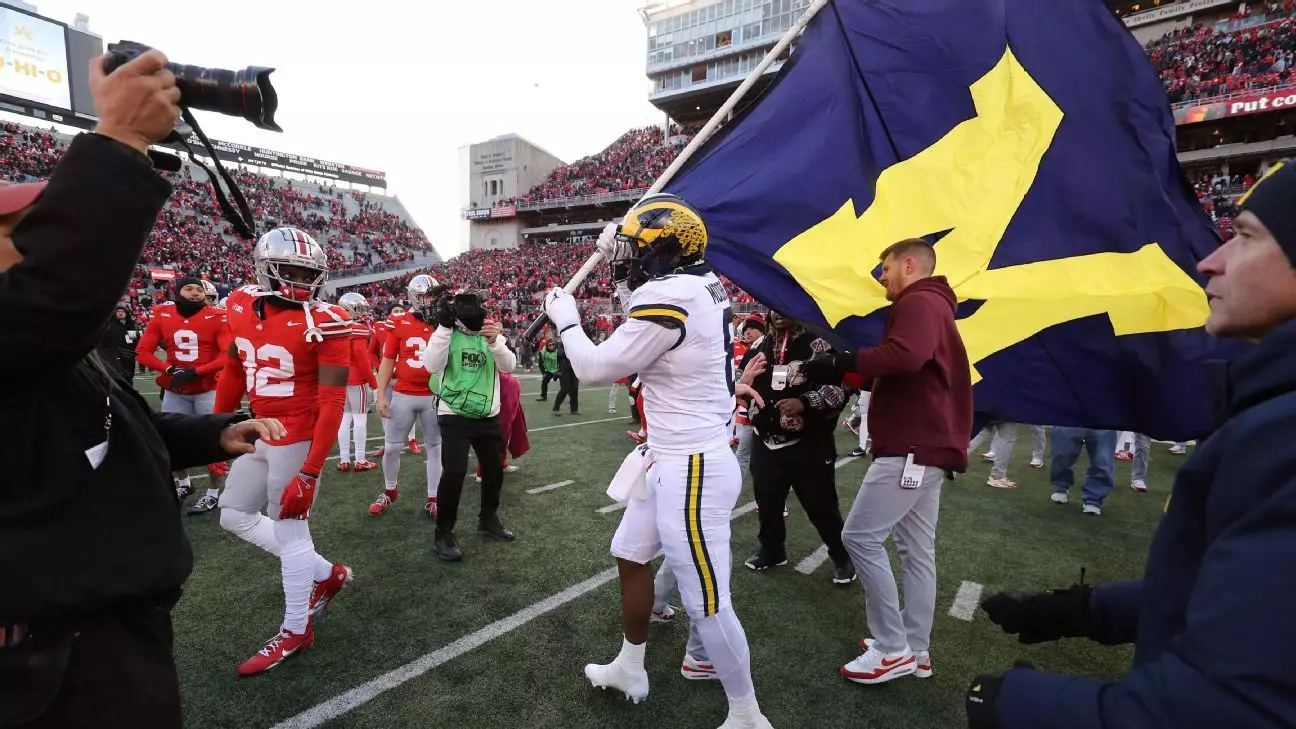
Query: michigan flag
point(1032, 142)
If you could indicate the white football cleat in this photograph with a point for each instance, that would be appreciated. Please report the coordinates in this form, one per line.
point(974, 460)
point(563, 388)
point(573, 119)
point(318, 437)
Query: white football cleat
point(634, 684)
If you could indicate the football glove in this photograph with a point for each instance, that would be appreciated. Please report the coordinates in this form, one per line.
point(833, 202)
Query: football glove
point(607, 242)
point(298, 496)
point(181, 376)
point(1043, 616)
point(561, 309)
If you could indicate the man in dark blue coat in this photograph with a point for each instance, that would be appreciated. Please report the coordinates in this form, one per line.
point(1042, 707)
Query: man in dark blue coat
point(1214, 619)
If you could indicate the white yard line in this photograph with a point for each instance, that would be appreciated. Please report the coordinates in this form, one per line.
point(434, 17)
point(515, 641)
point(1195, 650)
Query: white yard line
point(550, 487)
point(366, 692)
point(966, 601)
point(816, 559)
point(611, 508)
point(843, 461)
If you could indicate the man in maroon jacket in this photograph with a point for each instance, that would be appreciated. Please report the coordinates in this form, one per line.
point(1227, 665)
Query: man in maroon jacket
point(920, 418)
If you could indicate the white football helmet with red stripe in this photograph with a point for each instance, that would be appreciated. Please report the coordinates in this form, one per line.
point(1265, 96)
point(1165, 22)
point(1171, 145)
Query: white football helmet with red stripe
point(290, 248)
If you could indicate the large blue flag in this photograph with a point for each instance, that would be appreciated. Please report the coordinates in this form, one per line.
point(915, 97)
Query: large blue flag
point(1033, 142)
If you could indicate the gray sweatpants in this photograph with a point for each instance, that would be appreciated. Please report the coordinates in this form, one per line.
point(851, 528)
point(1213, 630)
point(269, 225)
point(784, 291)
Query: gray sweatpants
point(1142, 454)
point(883, 508)
point(746, 434)
point(1001, 445)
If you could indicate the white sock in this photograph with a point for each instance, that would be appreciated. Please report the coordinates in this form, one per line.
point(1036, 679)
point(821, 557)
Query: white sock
point(323, 568)
point(746, 710)
point(183, 483)
point(214, 493)
point(344, 437)
point(391, 463)
point(361, 425)
point(433, 468)
point(257, 529)
point(297, 567)
point(631, 655)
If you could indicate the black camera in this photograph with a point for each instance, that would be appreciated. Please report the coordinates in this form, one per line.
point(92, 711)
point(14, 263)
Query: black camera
point(247, 93)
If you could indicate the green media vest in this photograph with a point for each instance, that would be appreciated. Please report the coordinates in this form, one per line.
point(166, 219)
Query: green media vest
point(468, 383)
point(549, 360)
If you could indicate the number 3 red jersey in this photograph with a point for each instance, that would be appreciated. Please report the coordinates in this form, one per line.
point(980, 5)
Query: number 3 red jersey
point(406, 343)
point(198, 342)
point(281, 365)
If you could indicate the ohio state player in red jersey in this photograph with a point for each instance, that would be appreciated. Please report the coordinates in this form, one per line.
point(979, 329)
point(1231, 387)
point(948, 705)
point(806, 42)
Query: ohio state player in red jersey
point(360, 388)
point(412, 399)
point(381, 331)
point(193, 337)
point(291, 354)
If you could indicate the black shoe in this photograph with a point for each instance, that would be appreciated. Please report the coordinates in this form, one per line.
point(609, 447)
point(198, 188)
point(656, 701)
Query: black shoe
point(760, 562)
point(858, 453)
point(493, 529)
point(184, 492)
point(204, 505)
point(447, 547)
point(541, 399)
point(575, 414)
point(844, 574)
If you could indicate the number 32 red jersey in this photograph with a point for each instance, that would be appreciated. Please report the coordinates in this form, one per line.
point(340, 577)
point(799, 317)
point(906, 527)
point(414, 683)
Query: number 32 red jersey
point(406, 343)
point(281, 365)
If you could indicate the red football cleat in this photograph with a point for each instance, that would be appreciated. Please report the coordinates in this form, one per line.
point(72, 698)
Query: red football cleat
point(364, 466)
point(414, 447)
point(380, 453)
point(344, 466)
point(279, 649)
point(382, 503)
point(431, 507)
point(327, 589)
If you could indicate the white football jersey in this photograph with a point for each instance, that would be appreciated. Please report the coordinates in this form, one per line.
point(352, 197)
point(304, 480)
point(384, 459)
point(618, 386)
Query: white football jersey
point(689, 391)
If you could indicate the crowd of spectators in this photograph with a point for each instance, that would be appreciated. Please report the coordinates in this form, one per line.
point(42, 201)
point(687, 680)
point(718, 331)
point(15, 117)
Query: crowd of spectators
point(633, 162)
point(192, 238)
point(1200, 62)
point(1218, 194)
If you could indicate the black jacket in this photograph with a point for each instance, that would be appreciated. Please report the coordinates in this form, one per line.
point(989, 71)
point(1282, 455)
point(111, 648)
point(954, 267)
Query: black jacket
point(823, 401)
point(74, 539)
point(117, 343)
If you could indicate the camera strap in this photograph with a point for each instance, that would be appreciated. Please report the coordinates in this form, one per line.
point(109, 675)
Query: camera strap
point(243, 222)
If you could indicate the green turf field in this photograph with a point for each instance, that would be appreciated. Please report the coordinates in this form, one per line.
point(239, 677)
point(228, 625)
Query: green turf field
point(406, 604)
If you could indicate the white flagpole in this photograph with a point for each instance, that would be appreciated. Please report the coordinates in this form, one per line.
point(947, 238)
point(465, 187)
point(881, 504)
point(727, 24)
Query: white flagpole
point(702, 136)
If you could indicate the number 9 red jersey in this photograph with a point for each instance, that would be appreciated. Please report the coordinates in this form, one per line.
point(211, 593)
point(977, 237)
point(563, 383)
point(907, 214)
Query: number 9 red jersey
point(198, 343)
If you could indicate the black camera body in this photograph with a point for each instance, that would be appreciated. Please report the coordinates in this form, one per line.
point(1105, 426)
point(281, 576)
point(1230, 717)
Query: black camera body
point(247, 93)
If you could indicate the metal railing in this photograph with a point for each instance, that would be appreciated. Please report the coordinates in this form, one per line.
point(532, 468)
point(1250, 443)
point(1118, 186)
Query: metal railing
point(1236, 94)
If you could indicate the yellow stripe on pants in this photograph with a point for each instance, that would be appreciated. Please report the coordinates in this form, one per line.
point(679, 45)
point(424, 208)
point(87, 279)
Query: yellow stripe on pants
point(693, 522)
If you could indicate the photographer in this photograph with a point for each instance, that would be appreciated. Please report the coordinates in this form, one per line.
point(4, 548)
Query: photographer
point(117, 345)
point(92, 555)
point(469, 352)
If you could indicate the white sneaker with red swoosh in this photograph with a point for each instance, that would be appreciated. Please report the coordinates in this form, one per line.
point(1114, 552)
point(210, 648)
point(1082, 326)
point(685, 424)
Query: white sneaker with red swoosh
point(279, 649)
point(878, 667)
point(924, 669)
point(695, 670)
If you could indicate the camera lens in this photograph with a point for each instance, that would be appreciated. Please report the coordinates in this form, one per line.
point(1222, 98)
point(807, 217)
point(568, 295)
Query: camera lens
point(247, 93)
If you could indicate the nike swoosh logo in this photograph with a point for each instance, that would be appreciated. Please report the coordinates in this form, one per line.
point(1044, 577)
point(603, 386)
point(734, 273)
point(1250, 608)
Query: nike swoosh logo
point(892, 664)
point(294, 323)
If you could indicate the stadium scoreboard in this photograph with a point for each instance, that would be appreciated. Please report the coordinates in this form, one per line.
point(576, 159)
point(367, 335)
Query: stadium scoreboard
point(44, 68)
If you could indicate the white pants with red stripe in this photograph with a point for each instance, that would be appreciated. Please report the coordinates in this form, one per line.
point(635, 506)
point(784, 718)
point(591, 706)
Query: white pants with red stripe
point(355, 422)
point(257, 481)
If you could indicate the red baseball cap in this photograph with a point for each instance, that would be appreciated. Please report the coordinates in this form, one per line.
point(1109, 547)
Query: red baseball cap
point(15, 196)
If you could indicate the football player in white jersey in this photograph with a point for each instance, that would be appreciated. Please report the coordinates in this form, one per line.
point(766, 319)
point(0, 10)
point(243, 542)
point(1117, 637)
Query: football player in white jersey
point(677, 338)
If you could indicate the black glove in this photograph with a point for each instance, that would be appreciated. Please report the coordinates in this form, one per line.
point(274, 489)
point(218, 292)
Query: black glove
point(1043, 616)
point(983, 696)
point(829, 367)
point(181, 376)
point(445, 315)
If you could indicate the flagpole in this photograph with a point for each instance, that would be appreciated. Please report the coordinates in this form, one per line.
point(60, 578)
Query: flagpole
point(702, 136)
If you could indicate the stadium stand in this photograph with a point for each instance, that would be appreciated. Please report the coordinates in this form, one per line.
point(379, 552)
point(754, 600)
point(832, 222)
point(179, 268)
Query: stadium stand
point(1250, 51)
point(633, 162)
point(362, 233)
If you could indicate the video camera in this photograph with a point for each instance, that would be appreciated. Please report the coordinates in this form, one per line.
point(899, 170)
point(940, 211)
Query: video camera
point(247, 94)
